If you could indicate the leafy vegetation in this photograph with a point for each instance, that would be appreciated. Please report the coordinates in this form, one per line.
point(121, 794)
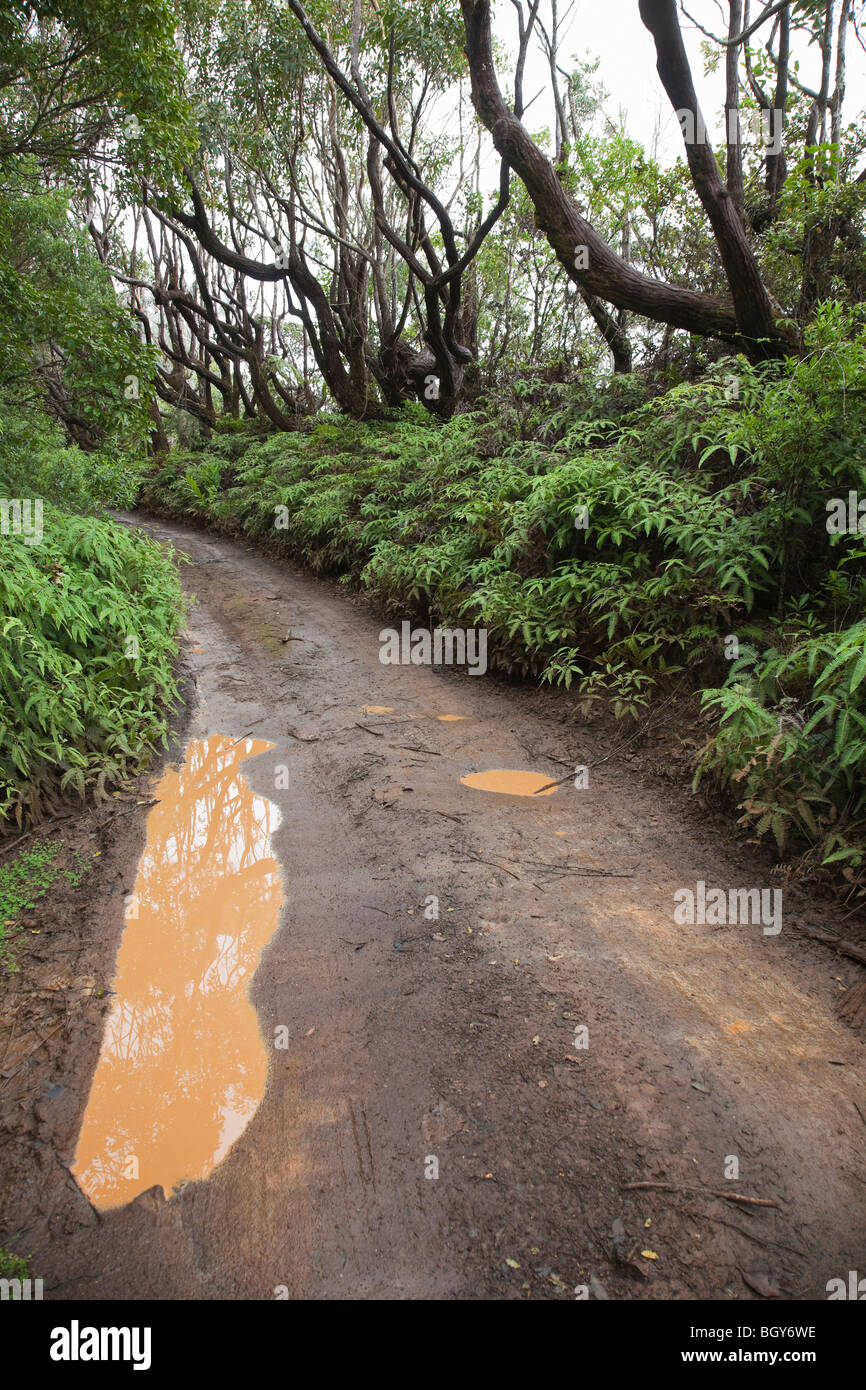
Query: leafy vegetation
point(23, 880)
point(13, 1266)
point(89, 622)
point(72, 76)
point(69, 351)
point(792, 739)
point(197, 272)
point(26, 878)
point(706, 510)
point(89, 613)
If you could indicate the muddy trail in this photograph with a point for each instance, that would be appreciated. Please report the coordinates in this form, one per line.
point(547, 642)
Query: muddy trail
point(477, 1024)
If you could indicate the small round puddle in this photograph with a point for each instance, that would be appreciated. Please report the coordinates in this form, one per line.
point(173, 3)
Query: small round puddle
point(510, 783)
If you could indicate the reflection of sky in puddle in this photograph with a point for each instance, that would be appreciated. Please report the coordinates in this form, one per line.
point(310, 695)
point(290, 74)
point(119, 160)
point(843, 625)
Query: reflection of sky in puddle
point(509, 782)
point(183, 1065)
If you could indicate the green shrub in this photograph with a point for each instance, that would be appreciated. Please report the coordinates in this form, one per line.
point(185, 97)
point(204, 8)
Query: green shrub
point(791, 742)
point(706, 508)
point(88, 621)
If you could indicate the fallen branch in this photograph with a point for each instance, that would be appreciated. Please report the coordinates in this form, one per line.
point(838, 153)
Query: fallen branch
point(247, 734)
point(125, 812)
point(845, 948)
point(43, 825)
point(547, 786)
point(28, 1055)
point(493, 865)
point(566, 872)
point(750, 1235)
point(589, 873)
point(644, 728)
point(700, 1191)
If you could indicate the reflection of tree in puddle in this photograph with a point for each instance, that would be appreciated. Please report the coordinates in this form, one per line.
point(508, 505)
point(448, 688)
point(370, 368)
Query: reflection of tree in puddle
point(183, 1066)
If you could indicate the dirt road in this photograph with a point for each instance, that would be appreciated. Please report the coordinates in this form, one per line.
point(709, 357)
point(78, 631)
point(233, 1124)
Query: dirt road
point(414, 1038)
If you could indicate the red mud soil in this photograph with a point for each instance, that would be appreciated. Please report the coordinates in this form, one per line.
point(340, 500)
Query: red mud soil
point(451, 1038)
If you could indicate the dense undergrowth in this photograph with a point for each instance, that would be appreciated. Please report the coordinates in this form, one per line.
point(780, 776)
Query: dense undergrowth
point(618, 542)
point(89, 612)
point(89, 617)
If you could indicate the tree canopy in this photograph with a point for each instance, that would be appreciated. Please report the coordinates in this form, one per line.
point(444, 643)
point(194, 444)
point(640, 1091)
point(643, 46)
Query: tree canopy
point(348, 202)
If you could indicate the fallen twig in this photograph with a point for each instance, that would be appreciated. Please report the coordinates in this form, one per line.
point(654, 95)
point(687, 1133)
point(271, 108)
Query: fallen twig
point(590, 873)
point(28, 1055)
point(493, 865)
point(643, 728)
point(254, 725)
point(701, 1191)
point(845, 948)
point(117, 814)
point(9, 1042)
point(43, 825)
point(580, 869)
point(750, 1235)
point(547, 786)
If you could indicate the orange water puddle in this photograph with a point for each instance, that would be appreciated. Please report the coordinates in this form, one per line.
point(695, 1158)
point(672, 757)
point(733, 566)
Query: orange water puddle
point(449, 718)
point(509, 783)
point(183, 1065)
point(377, 709)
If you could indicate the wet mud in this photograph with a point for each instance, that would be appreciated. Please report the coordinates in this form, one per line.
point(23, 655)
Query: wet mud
point(490, 980)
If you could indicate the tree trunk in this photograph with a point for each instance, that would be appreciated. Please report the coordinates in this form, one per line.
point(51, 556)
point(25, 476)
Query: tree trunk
point(745, 320)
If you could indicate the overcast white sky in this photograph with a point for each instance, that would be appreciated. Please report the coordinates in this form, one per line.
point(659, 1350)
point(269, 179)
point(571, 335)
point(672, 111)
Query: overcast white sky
point(612, 31)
